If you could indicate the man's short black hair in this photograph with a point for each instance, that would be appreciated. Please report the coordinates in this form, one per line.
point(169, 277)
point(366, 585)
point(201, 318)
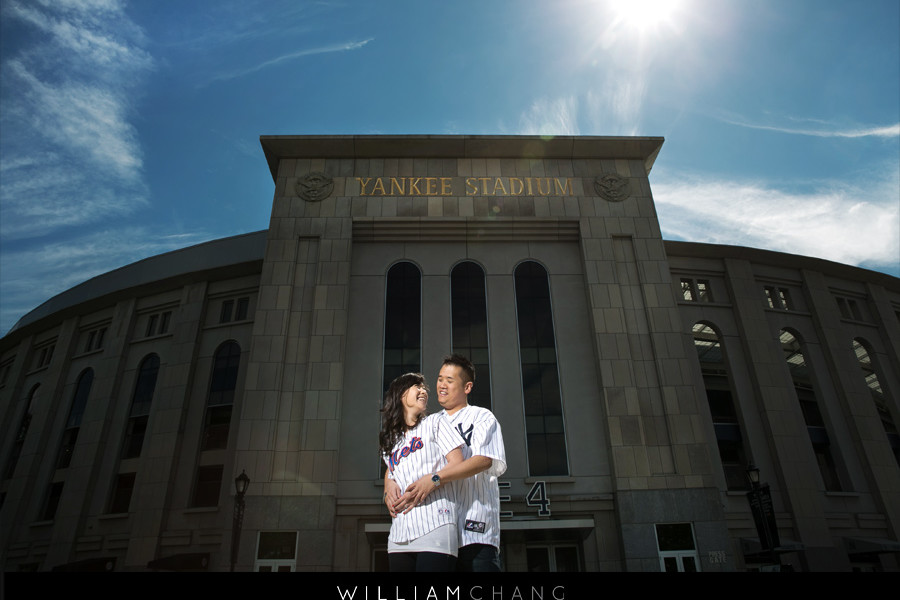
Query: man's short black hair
point(464, 364)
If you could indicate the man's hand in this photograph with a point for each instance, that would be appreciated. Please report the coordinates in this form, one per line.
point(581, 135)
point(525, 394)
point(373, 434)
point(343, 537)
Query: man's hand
point(391, 495)
point(415, 494)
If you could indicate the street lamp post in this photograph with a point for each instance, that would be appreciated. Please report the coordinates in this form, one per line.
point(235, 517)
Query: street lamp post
point(241, 482)
point(763, 513)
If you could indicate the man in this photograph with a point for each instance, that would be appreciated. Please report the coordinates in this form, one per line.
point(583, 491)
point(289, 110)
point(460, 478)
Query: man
point(478, 492)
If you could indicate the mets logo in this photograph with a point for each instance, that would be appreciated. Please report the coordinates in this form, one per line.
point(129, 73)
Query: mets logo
point(414, 444)
point(315, 187)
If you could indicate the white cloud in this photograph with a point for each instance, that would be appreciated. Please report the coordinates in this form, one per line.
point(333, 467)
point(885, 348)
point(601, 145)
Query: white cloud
point(551, 116)
point(820, 128)
point(344, 47)
point(35, 274)
point(71, 153)
point(850, 224)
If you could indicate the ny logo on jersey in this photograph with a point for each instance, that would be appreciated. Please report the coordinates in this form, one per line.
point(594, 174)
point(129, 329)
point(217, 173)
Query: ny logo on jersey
point(467, 434)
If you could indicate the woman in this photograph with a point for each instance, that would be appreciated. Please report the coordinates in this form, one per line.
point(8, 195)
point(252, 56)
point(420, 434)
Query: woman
point(425, 537)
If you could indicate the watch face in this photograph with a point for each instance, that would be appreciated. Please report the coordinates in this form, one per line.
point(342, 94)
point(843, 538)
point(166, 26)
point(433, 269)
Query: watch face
point(436, 479)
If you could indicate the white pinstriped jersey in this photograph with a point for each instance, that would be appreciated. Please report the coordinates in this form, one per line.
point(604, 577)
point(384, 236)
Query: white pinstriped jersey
point(478, 497)
point(422, 451)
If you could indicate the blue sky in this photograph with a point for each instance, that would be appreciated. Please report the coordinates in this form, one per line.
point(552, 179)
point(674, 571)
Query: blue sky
point(128, 129)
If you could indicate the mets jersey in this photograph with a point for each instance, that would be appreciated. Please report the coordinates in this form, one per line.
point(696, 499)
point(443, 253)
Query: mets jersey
point(422, 451)
point(478, 497)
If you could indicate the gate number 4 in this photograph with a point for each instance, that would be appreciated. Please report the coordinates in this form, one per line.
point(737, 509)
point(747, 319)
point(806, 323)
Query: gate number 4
point(537, 496)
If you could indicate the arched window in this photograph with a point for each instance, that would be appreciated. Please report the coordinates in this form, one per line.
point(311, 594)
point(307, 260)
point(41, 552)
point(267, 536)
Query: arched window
point(73, 422)
point(815, 422)
point(19, 441)
point(545, 433)
point(721, 406)
point(469, 325)
point(140, 406)
point(222, 384)
point(878, 397)
point(402, 322)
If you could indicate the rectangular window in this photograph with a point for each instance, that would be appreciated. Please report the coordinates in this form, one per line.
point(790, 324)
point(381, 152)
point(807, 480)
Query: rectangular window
point(677, 549)
point(276, 551)
point(242, 309)
point(51, 501)
point(698, 290)
point(553, 558)
point(207, 486)
point(135, 431)
point(778, 298)
point(93, 339)
point(215, 428)
point(704, 291)
point(158, 323)
point(225, 312)
point(43, 356)
point(121, 496)
point(849, 309)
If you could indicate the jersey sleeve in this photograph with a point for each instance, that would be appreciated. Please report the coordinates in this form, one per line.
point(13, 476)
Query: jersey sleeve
point(487, 440)
point(447, 440)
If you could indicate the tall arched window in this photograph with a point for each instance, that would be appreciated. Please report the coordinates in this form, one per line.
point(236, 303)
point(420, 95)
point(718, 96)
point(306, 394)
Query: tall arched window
point(812, 415)
point(140, 406)
point(222, 384)
point(19, 441)
point(878, 397)
point(73, 422)
point(545, 433)
point(721, 406)
point(402, 322)
point(469, 324)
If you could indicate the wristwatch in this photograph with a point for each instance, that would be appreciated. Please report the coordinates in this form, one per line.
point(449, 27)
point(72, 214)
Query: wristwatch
point(436, 480)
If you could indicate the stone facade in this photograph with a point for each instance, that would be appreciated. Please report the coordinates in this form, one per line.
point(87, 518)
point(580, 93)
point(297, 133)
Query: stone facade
point(640, 440)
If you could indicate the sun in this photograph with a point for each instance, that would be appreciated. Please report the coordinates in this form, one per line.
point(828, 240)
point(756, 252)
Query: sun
point(644, 15)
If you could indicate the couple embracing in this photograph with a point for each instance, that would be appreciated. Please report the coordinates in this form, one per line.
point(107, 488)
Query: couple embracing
point(441, 480)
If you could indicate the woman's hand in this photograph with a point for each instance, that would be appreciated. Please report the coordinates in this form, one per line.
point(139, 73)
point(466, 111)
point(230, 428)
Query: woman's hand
point(415, 494)
point(391, 495)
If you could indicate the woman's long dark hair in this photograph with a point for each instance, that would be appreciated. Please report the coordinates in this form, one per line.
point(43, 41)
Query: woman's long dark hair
point(393, 419)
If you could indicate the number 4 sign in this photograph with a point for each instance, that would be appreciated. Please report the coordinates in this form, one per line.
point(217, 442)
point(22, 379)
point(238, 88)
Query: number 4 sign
point(537, 496)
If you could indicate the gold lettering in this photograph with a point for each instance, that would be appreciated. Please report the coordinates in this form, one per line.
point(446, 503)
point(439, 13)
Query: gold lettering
point(485, 186)
point(398, 187)
point(363, 184)
point(564, 190)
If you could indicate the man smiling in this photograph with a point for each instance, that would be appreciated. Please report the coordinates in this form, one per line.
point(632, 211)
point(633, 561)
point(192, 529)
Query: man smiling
point(478, 492)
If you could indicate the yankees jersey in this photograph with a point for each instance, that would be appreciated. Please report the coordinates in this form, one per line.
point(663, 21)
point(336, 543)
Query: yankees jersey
point(478, 497)
point(422, 451)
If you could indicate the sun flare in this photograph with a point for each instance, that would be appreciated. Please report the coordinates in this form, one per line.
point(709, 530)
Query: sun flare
point(644, 15)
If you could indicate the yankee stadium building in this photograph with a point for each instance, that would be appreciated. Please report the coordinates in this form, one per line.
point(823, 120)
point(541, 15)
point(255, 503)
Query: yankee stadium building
point(642, 385)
